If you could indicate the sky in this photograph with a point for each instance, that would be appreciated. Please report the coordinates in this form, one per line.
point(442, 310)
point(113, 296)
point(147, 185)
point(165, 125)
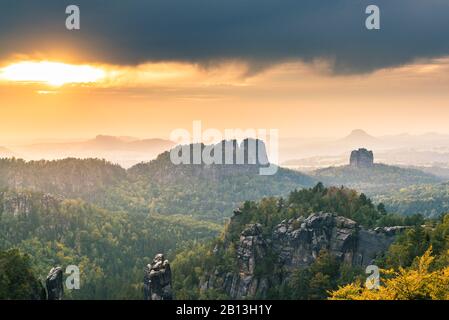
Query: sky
point(145, 68)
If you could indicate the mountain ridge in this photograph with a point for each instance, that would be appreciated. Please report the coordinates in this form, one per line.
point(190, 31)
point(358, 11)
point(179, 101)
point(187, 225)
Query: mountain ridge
point(158, 186)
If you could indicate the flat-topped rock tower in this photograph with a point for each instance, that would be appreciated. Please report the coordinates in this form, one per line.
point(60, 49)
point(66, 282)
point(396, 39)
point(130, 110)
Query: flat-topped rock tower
point(361, 158)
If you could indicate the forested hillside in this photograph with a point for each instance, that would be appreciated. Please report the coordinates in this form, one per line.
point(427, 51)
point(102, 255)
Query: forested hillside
point(88, 179)
point(431, 200)
point(111, 248)
point(378, 179)
point(111, 222)
point(205, 192)
point(248, 260)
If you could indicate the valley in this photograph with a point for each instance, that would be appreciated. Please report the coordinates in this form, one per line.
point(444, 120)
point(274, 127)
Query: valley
point(112, 221)
point(223, 150)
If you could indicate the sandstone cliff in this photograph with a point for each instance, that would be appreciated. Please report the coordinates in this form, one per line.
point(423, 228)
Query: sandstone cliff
point(296, 243)
point(361, 158)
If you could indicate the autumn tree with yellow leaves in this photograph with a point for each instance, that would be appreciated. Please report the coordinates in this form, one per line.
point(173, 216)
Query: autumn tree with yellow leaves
point(421, 281)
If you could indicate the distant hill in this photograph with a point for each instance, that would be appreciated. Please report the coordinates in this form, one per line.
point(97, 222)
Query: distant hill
point(433, 162)
point(430, 149)
point(358, 138)
point(204, 191)
point(125, 151)
point(442, 172)
point(208, 191)
point(380, 178)
point(125, 144)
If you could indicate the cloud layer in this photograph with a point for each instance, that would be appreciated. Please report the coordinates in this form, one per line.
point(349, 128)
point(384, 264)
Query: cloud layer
point(262, 32)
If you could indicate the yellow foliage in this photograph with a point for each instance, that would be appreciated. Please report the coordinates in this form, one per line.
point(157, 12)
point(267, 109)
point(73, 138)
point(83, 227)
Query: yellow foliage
point(414, 283)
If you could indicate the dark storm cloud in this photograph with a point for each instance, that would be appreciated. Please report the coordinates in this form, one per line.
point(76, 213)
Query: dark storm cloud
point(262, 32)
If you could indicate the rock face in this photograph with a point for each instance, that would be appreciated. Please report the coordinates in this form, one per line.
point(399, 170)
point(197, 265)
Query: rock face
point(299, 241)
point(55, 288)
point(246, 157)
point(252, 250)
point(18, 203)
point(296, 243)
point(361, 158)
point(157, 280)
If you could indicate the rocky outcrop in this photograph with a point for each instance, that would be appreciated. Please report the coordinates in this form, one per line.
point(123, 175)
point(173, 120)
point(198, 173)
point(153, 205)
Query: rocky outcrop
point(55, 288)
point(213, 162)
point(361, 158)
point(299, 241)
point(251, 252)
point(157, 280)
point(296, 243)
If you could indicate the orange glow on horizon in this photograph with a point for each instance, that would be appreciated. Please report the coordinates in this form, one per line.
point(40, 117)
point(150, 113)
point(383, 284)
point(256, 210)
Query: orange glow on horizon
point(52, 73)
point(150, 99)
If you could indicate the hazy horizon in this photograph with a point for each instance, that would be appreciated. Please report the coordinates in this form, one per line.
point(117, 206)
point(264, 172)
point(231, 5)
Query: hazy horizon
point(72, 85)
point(428, 149)
point(51, 140)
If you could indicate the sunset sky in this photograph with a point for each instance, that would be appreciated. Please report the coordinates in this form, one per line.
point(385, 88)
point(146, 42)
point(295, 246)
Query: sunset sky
point(144, 68)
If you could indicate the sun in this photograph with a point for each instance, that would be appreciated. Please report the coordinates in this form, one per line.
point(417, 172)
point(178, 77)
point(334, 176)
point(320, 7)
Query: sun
point(51, 73)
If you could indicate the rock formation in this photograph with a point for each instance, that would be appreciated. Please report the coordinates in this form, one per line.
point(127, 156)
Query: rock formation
point(157, 279)
point(55, 288)
point(296, 243)
point(361, 158)
point(252, 250)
